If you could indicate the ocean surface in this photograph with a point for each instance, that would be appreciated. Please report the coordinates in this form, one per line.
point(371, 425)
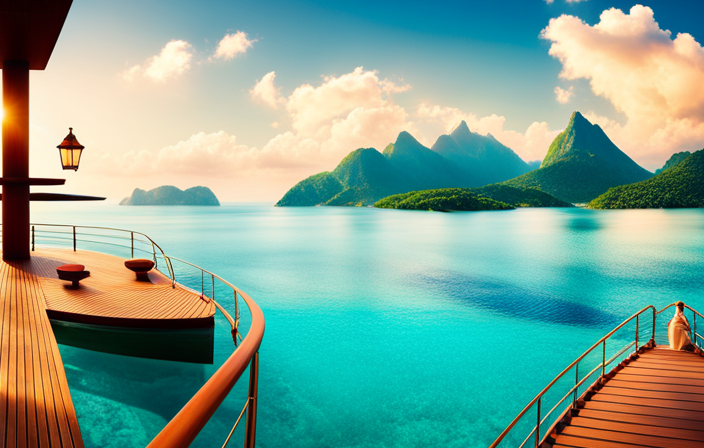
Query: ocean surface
point(388, 328)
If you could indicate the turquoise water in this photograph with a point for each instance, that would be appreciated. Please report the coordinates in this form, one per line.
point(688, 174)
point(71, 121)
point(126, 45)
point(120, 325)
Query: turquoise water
point(389, 328)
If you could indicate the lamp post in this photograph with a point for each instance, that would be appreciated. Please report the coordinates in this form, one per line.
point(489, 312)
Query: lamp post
point(70, 151)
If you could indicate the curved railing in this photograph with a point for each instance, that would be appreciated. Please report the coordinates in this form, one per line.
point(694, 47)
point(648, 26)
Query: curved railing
point(188, 423)
point(543, 419)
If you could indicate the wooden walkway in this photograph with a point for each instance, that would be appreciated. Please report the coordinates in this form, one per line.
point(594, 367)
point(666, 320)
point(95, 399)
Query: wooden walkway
point(35, 402)
point(655, 401)
point(111, 295)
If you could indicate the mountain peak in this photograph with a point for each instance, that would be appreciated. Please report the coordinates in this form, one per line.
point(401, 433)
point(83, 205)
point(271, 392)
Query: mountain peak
point(460, 129)
point(581, 137)
point(405, 137)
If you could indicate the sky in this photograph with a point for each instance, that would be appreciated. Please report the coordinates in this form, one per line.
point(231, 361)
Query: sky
point(248, 98)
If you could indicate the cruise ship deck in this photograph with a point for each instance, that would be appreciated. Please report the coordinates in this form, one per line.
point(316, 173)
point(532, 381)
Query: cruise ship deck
point(36, 407)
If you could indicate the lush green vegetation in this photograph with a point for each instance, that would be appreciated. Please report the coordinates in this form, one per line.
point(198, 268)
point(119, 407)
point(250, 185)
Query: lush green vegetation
point(520, 197)
point(581, 164)
point(681, 186)
point(461, 159)
point(673, 161)
point(169, 195)
point(444, 199)
point(313, 190)
point(362, 178)
point(490, 197)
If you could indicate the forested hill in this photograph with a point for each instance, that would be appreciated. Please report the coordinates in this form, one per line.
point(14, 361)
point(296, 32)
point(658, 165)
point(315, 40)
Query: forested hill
point(581, 164)
point(679, 187)
point(673, 161)
point(490, 197)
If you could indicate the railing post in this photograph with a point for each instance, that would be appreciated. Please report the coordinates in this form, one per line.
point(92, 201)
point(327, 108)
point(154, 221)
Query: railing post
point(603, 359)
point(74, 238)
point(695, 317)
point(33, 251)
point(576, 381)
point(213, 277)
point(537, 428)
point(237, 311)
point(132, 245)
point(202, 282)
point(637, 330)
point(251, 429)
point(654, 321)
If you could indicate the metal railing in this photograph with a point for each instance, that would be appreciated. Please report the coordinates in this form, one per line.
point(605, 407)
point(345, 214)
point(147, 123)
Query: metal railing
point(573, 392)
point(188, 423)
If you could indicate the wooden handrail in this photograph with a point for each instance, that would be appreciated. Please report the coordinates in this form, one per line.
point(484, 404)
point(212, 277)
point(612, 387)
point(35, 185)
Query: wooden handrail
point(186, 425)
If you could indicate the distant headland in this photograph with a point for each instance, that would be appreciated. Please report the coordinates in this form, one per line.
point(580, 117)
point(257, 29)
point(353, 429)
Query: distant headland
point(170, 195)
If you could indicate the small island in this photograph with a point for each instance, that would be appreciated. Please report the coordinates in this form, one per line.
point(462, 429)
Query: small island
point(170, 195)
point(442, 200)
point(490, 197)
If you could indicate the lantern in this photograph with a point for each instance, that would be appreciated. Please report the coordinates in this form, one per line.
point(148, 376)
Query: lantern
point(70, 151)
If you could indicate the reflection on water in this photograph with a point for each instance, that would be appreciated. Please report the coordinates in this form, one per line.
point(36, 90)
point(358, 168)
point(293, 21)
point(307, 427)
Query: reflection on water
point(187, 345)
point(583, 223)
point(518, 302)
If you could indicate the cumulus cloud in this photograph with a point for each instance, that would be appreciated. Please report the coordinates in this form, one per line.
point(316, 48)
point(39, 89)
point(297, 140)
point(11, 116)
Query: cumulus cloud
point(563, 96)
point(266, 92)
point(653, 79)
point(173, 60)
point(233, 44)
point(337, 97)
point(324, 122)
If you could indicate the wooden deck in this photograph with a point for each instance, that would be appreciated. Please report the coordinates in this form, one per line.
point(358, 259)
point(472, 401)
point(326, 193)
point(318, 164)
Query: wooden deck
point(35, 402)
point(656, 400)
point(112, 296)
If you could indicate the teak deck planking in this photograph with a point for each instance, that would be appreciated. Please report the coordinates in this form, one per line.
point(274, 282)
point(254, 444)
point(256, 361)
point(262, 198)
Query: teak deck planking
point(35, 402)
point(656, 401)
point(113, 296)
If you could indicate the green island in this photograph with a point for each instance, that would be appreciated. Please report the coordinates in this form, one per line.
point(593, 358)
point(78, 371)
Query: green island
point(170, 195)
point(681, 186)
point(490, 197)
point(442, 200)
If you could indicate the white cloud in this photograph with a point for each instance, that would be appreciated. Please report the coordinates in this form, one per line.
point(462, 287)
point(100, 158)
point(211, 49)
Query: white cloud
point(563, 96)
point(575, 1)
point(549, 2)
point(233, 44)
point(311, 107)
point(266, 92)
point(654, 80)
point(173, 60)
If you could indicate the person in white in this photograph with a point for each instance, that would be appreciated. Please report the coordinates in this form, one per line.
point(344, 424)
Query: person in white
point(678, 330)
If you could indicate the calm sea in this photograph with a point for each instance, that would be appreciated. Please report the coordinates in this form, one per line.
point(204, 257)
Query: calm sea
point(389, 328)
